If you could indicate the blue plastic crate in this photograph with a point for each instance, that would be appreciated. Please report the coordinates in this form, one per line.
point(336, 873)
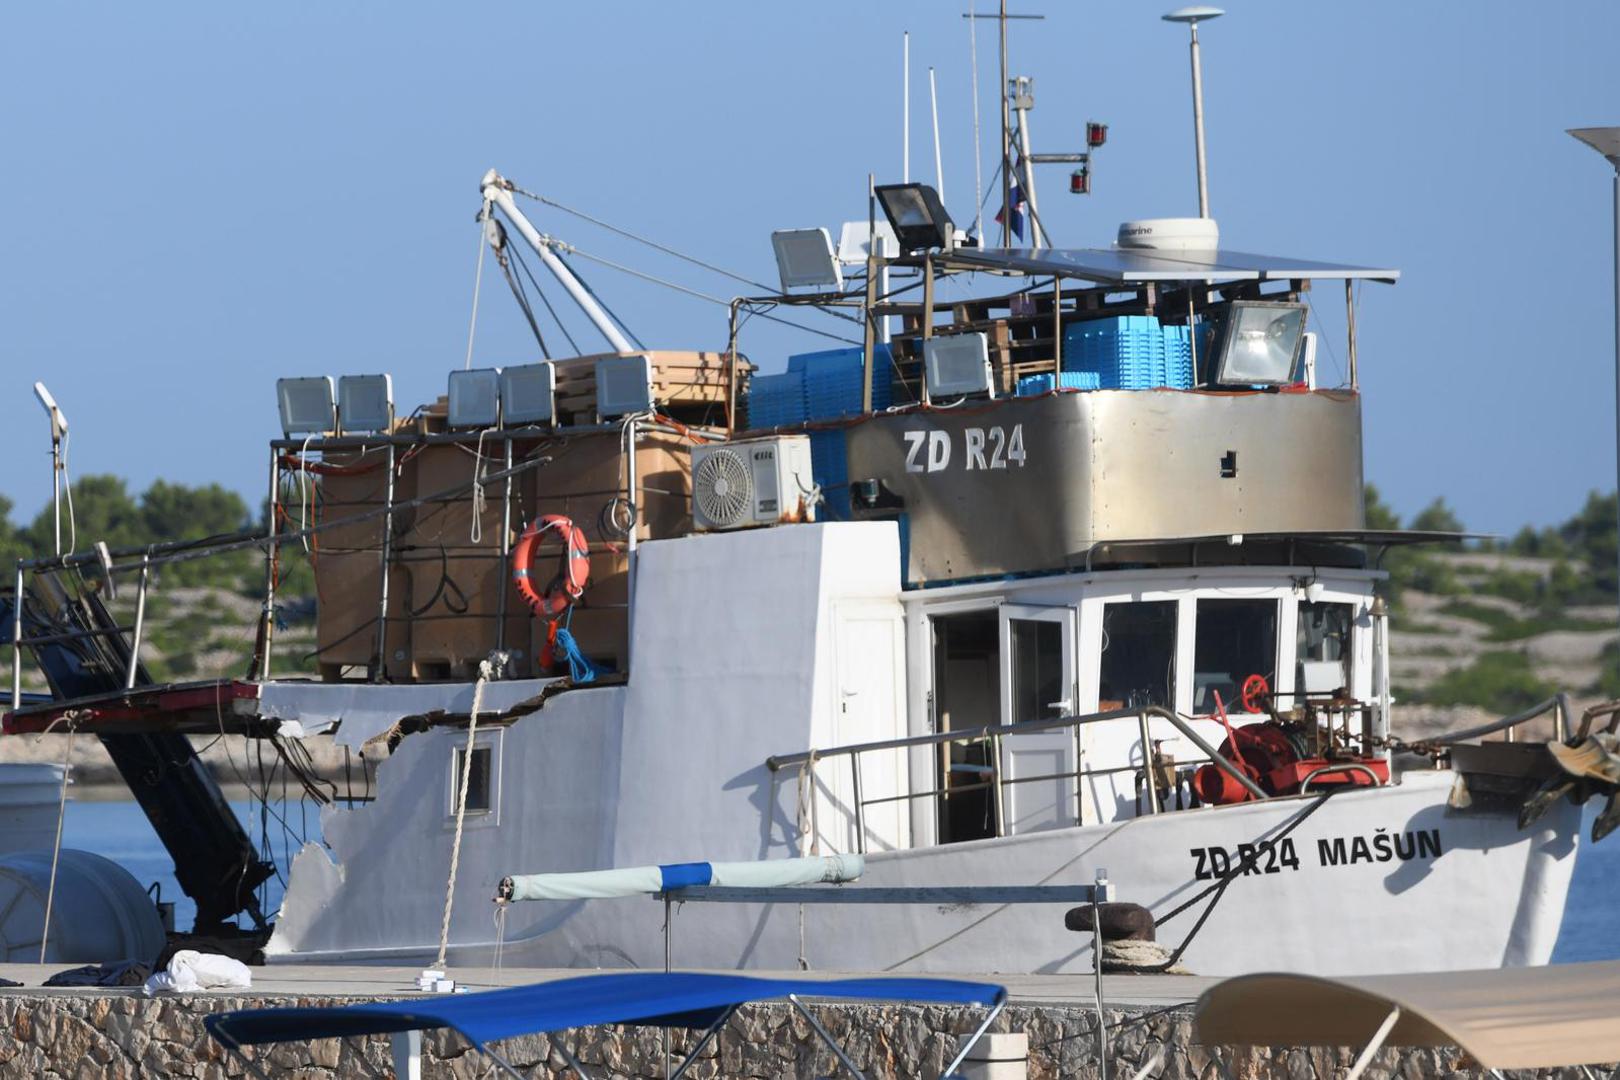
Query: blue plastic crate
point(829, 464)
point(1127, 352)
point(1031, 385)
point(835, 381)
point(776, 400)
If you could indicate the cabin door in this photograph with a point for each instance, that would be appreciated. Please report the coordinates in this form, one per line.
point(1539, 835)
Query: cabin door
point(1038, 683)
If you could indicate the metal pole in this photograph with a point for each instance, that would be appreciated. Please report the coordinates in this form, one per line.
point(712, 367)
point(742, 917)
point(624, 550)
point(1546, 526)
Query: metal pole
point(1148, 769)
point(1057, 331)
point(634, 481)
point(1006, 172)
point(379, 672)
point(271, 550)
point(506, 551)
point(905, 107)
point(855, 788)
point(1616, 163)
point(56, 484)
point(731, 370)
point(1350, 332)
point(869, 336)
point(16, 640)
point(933, 105)
point(928, 316)
point(140, 620)
point(1198, 123)
point(1097, 974)
point(999, 793)
point(1037, 235)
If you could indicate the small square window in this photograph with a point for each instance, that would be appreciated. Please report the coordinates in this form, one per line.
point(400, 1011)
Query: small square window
point(480, 782)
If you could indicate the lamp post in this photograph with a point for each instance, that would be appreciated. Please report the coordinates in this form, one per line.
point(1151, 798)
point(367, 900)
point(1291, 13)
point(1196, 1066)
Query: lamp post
point(1606, 141)
point(59, 428)
point(1192, 16)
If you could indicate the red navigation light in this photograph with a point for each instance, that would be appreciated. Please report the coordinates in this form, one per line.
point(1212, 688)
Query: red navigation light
point(1080, 182)
point(1096, 134)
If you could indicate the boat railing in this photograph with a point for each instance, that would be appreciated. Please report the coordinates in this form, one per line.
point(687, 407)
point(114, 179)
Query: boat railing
point(1558, 705)
point(998, 782)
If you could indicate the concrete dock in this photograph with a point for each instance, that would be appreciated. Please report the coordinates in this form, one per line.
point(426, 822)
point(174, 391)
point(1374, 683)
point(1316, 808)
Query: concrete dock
point(84, 1033)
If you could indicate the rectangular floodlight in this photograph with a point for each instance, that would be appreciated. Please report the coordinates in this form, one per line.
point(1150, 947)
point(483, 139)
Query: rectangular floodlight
point(623, 386)
point(805, 257)
point(957, 364)
point(855, 242)
point(475, 398)
point(528, 394)
point(366, 404)
point(918, 217)
point(1260, 344)
point(308, 405)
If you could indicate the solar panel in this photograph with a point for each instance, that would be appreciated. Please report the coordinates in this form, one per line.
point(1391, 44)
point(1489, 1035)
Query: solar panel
point(1126, 266)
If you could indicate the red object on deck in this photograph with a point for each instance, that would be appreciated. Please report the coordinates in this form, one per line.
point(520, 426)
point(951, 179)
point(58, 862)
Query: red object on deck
point(196, 708)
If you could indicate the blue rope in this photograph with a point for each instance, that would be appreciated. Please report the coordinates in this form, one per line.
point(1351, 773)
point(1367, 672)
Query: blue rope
point(580, 669)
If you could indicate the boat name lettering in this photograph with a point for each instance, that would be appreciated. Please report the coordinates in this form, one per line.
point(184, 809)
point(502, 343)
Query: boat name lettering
point(1383, 846)
point(982, 449)
point(1264, 857)
point(1267, 857)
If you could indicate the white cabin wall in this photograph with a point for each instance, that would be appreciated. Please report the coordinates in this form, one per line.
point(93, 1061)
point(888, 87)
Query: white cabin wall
point(732, 641)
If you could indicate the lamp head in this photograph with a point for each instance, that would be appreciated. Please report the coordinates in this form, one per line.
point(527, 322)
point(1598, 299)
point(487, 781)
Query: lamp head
point(1605, 140)
point(59, 424)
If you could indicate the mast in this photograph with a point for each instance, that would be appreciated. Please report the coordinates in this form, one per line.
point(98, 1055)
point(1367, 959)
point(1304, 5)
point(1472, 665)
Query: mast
point(1006, 157)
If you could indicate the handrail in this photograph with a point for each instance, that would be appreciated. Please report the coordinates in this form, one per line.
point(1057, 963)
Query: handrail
point(777, 762)
point(1337, 767)
point(1558, 704)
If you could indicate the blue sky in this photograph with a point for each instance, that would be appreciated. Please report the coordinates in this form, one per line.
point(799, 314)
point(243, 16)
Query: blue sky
point(199, 198)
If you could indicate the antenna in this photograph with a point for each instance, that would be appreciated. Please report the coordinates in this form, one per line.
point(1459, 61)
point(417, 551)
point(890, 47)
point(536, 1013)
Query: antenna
point(905, 107)
point(59, 426)
point(933, 105)
point(1191, 16)
point(1006, 119)
point(978, 174)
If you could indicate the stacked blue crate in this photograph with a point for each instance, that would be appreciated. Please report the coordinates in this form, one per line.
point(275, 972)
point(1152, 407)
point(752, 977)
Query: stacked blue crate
point(1179, 371)
point(1126, 352)
point(835, 381)
point(776, 400)
point(1031, 385)
point(834, 385)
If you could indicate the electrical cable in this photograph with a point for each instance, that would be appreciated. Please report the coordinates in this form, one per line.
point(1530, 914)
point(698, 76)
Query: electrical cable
point(638, 239)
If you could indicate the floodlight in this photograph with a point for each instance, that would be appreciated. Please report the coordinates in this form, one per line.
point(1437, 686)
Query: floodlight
point(58, 421)
point(1260, 344)
point(623, 386)
point(957, 364)
point(855, 241)
point(528, 394)
point(475, 398)
point(366, 404)
point(918, 217)
point(805, 257)
point(308, 405)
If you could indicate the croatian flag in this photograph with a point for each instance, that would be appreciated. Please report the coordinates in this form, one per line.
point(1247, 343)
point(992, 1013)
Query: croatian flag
point(1017, 225)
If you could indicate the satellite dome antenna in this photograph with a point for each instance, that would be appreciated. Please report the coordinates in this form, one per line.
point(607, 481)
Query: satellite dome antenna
point(1192, 16)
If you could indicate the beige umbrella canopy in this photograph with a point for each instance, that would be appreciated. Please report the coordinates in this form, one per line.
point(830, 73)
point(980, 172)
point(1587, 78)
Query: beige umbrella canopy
point(1509, 1018)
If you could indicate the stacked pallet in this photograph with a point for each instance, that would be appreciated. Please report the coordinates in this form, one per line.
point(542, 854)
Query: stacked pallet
point(691, 387)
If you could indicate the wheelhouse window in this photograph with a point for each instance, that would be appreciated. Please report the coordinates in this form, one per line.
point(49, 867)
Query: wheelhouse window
point(1138, 665)
point(1322, 646)
point(1233, 640)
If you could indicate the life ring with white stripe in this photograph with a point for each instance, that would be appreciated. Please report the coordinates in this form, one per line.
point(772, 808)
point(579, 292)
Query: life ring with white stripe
point(572, 576)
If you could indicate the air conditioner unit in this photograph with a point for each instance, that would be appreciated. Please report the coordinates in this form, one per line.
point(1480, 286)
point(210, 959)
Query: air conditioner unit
point(737, 485)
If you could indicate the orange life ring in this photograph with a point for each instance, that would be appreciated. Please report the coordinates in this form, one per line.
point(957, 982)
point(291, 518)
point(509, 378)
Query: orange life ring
point(572, 577)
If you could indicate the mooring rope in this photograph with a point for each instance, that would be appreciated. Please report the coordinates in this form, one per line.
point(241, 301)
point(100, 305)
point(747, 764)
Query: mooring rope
point(485, 671)
point(56, 849)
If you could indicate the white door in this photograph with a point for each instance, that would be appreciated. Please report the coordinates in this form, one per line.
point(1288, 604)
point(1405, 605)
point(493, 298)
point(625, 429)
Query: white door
point(870, 706)
point(1038, 683)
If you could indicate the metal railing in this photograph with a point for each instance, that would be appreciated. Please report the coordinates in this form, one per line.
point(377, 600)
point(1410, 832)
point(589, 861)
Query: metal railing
point(998, 783)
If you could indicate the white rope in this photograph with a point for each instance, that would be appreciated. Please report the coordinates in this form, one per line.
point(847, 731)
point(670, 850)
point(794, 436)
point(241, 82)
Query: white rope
point(477, 531)
point(484, 673)
point(303, 491)
point(56, 850)
point(478, 282)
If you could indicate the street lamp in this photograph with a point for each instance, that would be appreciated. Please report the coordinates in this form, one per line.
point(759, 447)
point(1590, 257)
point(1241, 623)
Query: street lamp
point(59, 426)
point(1192, 16)
point(1606, 141)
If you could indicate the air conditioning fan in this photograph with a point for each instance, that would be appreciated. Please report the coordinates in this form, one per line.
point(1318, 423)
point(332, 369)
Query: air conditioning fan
point(736, 485)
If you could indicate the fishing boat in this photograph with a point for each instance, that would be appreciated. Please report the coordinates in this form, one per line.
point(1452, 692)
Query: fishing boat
point(1057, 568)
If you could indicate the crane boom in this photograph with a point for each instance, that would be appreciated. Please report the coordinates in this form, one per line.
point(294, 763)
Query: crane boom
point(497, 191)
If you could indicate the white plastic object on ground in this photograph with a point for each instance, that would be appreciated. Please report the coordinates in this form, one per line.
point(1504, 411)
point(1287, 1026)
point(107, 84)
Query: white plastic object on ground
point(190, 970)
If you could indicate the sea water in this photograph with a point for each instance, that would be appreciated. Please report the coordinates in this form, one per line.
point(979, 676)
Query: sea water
point(120, 831)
